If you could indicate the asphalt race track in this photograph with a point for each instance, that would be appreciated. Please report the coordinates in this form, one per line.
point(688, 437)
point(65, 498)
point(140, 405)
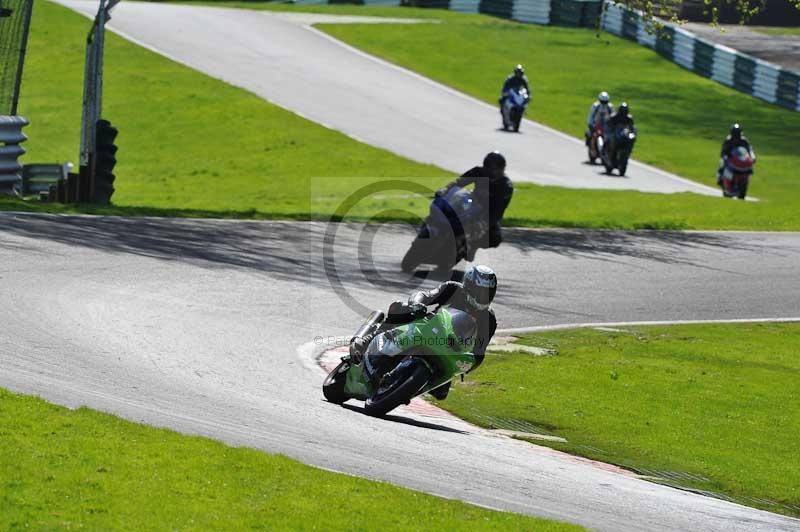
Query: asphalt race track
point(208, 327)
point(279, 57)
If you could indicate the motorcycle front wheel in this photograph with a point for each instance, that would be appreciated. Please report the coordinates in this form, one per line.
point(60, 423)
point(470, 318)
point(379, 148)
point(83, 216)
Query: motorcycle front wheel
point(400, 391)
point(333, 386)
point(623, 165)
point(743, 190)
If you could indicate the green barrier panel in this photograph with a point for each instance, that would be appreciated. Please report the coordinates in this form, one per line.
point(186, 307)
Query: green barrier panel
point(665, 41)
point(566, 13)
point(788, 88)
point(744, 73)
point(435, 4)
point(630, 25)
point(497, 8)
point(703, 58)
point(591, 14)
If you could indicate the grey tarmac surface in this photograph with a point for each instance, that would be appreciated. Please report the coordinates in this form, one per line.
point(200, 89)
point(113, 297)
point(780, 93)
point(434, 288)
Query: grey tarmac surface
point(279, 57)
point(783, 50)
point(208, 327)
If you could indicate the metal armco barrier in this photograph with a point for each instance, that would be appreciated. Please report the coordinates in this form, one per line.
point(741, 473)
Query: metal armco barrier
point(724, 65)
point(556, 12)
point(11, 136)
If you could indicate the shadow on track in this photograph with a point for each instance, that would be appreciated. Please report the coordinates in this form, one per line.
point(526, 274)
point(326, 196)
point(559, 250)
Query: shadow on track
point(293, 250)
point(667, 247)
point(394, 418)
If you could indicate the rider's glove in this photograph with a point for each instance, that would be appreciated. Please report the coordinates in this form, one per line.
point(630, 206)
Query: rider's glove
point(418, 309)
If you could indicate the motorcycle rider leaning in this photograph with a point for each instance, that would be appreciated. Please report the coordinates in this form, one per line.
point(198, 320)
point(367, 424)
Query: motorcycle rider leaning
point(473, 295)
point(493, 191)
point(734, 140)
point(515, 81)
point(601, 110)
point(619, 120)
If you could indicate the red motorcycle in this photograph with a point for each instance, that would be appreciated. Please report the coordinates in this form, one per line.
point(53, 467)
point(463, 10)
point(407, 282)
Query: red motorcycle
point(736, 173)
point(595, 143)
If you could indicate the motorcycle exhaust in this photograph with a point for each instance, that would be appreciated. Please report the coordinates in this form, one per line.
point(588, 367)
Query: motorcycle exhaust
point(368, 327)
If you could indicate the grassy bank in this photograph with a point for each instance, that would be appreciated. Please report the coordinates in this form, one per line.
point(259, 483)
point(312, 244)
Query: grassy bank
point(191, 145)
point(189, 142)
point(63, 468)
point(712, 407)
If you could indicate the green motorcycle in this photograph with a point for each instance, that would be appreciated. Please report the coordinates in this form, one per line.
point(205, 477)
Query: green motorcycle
point(404, 360)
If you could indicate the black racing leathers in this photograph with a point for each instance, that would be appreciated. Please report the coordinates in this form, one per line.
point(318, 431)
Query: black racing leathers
point(617, 122)
point(730, 143)
point(451, 293)
point(491, 194)
point(514, 82)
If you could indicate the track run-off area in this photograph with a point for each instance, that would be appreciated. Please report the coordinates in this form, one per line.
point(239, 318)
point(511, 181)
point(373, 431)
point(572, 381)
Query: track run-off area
point(212, 327)
point(215, 327)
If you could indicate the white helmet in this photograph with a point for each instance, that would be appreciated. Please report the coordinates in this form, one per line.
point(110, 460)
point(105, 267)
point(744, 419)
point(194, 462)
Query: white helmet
point(603, 97)
point(480, 285)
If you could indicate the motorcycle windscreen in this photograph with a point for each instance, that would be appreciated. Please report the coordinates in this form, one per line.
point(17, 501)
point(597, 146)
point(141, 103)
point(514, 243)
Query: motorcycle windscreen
point(464, 328)
point(383, 346)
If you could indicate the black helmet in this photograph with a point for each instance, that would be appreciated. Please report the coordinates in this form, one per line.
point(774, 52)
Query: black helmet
point(480, 285)
point(518, 70)
point(736, 131)
point(494, 159)
point(623, 108)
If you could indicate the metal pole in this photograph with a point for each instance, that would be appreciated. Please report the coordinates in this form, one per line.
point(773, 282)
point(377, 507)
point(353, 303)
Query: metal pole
point(92, 92)
point(99, 37)
point(88, 71)
point(26, 25)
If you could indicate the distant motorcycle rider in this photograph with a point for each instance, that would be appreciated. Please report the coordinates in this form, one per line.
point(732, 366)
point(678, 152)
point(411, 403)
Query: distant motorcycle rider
point(618, 121)
point(516, 81)
point(473, 295)
point(493, 191)
point(601, 111)
point(734, 140)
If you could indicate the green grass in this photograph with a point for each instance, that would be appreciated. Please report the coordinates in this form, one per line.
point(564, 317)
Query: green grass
point(188, 141)
point(718, 401)
point(778, 31)
point(682, 117)
point(191, 145)
point(62, 469)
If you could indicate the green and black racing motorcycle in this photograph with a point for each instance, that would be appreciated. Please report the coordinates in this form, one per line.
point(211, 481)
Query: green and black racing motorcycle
point(404, 360)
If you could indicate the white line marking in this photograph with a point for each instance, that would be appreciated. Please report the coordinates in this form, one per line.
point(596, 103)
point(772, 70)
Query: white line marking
point(563, 326)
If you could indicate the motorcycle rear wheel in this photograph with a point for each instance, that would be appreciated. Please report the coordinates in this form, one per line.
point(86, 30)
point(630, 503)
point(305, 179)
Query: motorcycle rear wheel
point(333, 386)
point(742, 191)
point(400, 392)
